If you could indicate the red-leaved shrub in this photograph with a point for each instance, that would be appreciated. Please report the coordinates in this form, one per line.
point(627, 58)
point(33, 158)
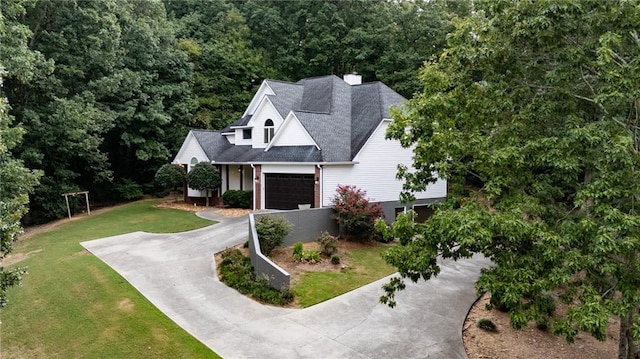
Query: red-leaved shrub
point(354, 213)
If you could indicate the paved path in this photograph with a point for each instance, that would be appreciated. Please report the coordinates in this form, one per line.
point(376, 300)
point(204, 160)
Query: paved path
point(176, 273)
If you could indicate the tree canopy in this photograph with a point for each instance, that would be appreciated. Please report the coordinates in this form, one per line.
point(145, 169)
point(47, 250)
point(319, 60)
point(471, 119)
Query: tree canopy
point(170, 176)
point(106, 90)
point(532, 114)
point(16, 181)
point(204, 177)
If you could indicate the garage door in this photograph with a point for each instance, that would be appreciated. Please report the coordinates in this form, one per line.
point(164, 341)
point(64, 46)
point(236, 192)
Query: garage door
point(286, 191)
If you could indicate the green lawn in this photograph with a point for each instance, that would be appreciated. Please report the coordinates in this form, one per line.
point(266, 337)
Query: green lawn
point(72, 305)
point(365, 266)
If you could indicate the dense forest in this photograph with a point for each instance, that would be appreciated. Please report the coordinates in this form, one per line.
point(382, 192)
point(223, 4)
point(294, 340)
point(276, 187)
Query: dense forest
point(106, 90)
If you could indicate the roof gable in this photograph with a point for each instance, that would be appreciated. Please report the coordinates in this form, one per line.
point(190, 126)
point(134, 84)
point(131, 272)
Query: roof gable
point(190, 146)
point(292, 133)
point(263, 90)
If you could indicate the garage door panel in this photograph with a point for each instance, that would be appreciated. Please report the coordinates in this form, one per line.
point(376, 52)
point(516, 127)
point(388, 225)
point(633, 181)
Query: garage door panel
point(286, 191)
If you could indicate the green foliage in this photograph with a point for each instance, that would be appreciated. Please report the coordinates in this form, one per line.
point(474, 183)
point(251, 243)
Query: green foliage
point(302, 255)
point(335, 259)
point(204, 177)
point(530, 114)
point(128, 189)
point(101, 90)
point(236, 271)
point(383, 231)
point(381, 40)
point(298, 251)
point(238, 198)
point(488, 325)
point(271, 232)
point(16, 182)
point(355, 215)
point(328, 244)
point(170, 176)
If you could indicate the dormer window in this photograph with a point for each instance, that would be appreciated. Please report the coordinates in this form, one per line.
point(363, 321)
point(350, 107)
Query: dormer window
point(246, 134)
point(269, 130)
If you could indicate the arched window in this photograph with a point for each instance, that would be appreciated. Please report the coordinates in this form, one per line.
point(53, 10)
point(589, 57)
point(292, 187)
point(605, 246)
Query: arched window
point(194, 161)
point(268, 130)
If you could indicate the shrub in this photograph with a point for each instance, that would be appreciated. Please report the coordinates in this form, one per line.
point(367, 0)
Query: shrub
point(335, 259)
point(237, 273)
point(238, 198)
point(542, 323)
point(299, 254)
point(328, 244)
point(499, 302)
point(128, 189)
point(383, 231)
point(271, 232)
point(312, 257)
point(298, 251)
point(488, 325)
point(355, 215)
point(546, 304)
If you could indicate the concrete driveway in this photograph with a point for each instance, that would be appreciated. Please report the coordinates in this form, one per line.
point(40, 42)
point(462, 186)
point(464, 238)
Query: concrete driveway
point(176, 272)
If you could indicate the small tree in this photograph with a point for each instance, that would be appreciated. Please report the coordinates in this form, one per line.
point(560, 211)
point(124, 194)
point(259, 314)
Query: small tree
point(271, 232)
point(355, 215)
point(170, 177)
point(204, 177)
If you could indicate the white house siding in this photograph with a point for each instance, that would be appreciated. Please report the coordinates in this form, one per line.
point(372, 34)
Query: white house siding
point(278, 168)
point(191, 149)
point(263, 91)
point(292, 133)
point(265, 111)
point(375, 171)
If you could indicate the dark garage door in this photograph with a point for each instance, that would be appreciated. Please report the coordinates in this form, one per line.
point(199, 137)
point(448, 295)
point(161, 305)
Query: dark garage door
point(286, 191)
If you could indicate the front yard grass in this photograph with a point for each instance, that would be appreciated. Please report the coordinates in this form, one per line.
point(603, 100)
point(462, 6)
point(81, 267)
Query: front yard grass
point(72, 305)
point(365, 265)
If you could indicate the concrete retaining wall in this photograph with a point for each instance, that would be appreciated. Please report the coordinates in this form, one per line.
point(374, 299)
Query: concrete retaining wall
point(307, 224)
point(263, 266)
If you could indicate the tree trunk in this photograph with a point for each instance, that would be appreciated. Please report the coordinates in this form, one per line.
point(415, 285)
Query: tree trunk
point(628, 348)
point(207, 194)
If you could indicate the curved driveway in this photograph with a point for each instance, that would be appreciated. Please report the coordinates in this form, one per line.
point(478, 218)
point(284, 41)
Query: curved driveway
point(176, 272)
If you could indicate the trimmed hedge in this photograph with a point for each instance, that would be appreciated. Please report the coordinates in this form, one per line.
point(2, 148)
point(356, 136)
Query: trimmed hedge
point(235, 198)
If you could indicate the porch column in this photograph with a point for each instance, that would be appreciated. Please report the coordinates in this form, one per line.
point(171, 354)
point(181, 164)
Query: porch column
point(257, 183)
point(316, 189)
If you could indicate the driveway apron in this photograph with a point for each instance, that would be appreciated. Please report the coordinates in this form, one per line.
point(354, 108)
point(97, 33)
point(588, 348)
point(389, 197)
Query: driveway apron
point(176, 272)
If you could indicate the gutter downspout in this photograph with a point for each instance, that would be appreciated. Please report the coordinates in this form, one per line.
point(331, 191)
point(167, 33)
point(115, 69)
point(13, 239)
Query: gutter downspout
point(321, 168)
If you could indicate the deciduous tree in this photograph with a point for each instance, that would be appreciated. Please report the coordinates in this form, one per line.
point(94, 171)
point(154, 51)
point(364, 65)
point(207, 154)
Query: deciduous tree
point(532, 113)
point(16, 181)
point(204, 177)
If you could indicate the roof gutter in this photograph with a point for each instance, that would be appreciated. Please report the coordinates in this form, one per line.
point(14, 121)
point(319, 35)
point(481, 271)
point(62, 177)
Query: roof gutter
point(290, 163)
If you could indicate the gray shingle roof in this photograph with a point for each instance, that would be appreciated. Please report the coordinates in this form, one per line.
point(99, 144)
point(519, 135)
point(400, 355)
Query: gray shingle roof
point(287, 96)
point(339, 117)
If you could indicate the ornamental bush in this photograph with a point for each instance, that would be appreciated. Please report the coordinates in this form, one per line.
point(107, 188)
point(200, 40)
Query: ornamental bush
point(271, 232)
point(236, 272)
point(354, 213)
point(328, 244)
point(238, 198)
